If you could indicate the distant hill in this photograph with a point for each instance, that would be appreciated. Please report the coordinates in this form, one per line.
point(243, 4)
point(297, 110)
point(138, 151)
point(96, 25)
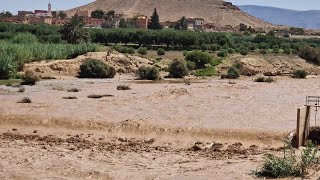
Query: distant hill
point(213, 11)
point(304, 19)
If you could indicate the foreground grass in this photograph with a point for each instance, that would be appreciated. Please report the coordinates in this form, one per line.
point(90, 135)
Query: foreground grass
point(10, 81)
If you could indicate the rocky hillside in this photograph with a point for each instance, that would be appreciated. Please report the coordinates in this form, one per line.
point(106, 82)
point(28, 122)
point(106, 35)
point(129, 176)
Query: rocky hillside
point(213, 11)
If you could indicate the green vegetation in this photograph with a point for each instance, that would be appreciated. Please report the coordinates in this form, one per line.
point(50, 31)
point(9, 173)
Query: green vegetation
point(233, 73)
point(96, 69)
point(10, 81)
point(178, 69)
point(299, 74)
point(199, 58)
point(289, 165)
point(142, 50)
point(154, 22)
point(264, 79)
point(123, 49)
point(209, 71)
point(161, 52)
point(73, 32)
point(29, 78)
point(148, 73)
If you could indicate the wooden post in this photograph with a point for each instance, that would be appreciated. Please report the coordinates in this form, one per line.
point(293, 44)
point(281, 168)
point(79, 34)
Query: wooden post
point(303, 125)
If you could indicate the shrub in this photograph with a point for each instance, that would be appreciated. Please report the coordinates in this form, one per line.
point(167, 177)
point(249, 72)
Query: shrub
point(161, 52)
point(8, 67)
point(142, 50)
point(300, 74)
point(289, 164)
point(209, 71)
point(200, 58)
point(22, 89)
point(25, 100)
point(178, 69)
point(233, 73)
point(24, 38)
point(191, 65)
point(244, 52)
point(264, 79)
point(222, 54)
point(148, 73)
point(123, 87)
point(263, 51)
point(276, 167)
point(287, 50)
point(231, 51)
point(96, 69)
point(204, 47)
point(185, 53)
point(29, 78)
point(310, 54)
point(130, 50)
point(276, 49)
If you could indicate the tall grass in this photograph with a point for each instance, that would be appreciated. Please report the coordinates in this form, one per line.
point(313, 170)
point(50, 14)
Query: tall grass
point(13, 55)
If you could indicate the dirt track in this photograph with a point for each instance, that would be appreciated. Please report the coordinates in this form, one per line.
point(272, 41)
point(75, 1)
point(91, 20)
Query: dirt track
point(147, 132)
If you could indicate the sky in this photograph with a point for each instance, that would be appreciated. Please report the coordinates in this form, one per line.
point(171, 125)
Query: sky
point(15, 5)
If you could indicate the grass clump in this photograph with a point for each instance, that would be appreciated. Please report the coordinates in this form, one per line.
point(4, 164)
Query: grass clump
point(142, 50)
point(123, 87)
point(21, 90)
point(93, 68)
point(299, 74)
point(25, 100)
point(30, 78)
point(161, 52)
point(264, 79)
point(233, 73)
point(178, 69)
point(148, 73)
point(289, 165)
point(209, 71)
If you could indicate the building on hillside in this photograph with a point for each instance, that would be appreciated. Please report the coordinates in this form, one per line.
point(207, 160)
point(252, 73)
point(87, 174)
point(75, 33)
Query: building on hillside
point(13, 19)
point(195, 23)
point(142, 22)
point(22, 14)
point(168, 24)
point(37, 20)
point(60, 22)
point(83, 13)
point(44, 13)
point(91, 22)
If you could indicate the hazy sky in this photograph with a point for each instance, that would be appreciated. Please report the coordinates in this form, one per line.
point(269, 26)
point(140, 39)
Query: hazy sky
point(15, 5)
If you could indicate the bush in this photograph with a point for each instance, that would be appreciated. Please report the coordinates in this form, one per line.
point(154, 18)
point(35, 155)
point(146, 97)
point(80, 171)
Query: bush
point(287, 50)
point(310, 54)
point(222, 54)
point(25, 100)
point(191, 65)
point(96, 69)
point(29, 78)
point(148, 73)
point(276, 49)
point(8, 67)
point(300, 74)
point(161, 52)
point(231, 51)
point(142, 50)
point(233, 73)
point(289, 165)
point(24, 38)
point(123, 87)
point(209, 71)
point(264, 79)
point(244, 52)
point(276, 167)
point(130, 50)
point(263, 51)
point(178, 69)
point(200, 58)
